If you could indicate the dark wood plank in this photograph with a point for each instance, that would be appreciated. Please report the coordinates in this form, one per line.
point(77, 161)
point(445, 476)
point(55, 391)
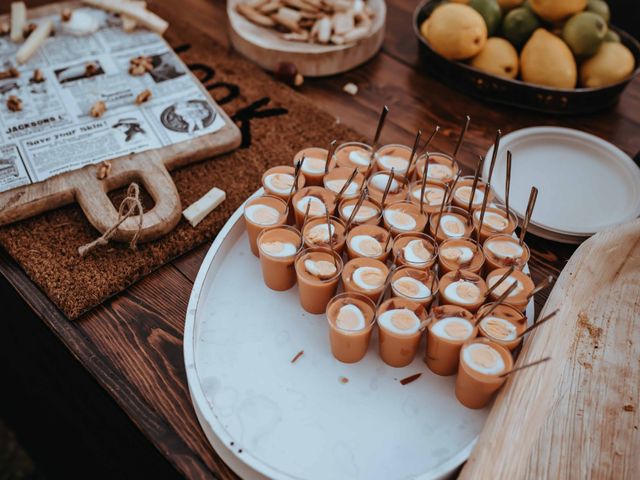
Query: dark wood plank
point(132, 345)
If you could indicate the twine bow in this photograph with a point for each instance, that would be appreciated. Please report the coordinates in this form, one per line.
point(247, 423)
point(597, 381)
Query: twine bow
point(128, 208)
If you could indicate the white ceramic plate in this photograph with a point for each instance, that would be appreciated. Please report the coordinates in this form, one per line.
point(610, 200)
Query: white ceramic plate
point(269, 418)
point(585, 183)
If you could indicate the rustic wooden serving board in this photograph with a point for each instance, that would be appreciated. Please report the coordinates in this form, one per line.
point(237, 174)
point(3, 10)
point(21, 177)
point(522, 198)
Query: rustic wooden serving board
point(150, 168)
point(575, 416)
point(265, 46)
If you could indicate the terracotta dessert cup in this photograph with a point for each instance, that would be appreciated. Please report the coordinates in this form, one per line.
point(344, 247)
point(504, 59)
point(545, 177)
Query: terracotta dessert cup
point(369, 213)
point(503, 325)
point(355, 155)
point(313, 167)
point(404, 217)
point(434, 193)
point(460, 254)
point(277, 181)
point(318, 273)
point(320, 198)
point(316, 234)
point(453, 224)
point(415, 250)
point(503, 251)
point(481, 364)
point(365, 276)
point(334, 181)
point(496, 220)
point(368, 241)
point(278, 248)
point(260, 213)
point(464, 289)
point(399, 330)
point(394, 156)
point(351, 317)
point(441, 167)
point(449, 328)
point(462, 193)
point(397, 191)
point(519, 297)
point(414, 284)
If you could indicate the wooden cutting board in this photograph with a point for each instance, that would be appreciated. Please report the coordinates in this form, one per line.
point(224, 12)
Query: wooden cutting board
point(576, 416)
point(150, 168)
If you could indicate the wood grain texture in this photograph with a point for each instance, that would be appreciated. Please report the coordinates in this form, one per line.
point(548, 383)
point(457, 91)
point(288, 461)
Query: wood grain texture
point(132, 343)
point(576, 416)
point(149, 167)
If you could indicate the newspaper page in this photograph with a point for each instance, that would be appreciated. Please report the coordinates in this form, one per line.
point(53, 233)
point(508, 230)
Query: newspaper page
point(54, 132)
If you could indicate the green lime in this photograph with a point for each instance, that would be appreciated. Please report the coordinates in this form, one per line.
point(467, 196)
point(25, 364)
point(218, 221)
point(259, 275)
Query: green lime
point(600, 7)
point(490, 11)
point(518, 26)
point(612, 36)
point(584, 33)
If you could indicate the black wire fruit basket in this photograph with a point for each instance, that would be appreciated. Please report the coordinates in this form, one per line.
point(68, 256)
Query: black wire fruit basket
point(468, 79)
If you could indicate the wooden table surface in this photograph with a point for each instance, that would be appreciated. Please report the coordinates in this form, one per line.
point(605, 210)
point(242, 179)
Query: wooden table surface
point(131, 346)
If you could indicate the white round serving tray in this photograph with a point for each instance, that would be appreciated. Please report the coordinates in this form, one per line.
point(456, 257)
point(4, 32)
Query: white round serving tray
point(585, 184)
point(269, 418)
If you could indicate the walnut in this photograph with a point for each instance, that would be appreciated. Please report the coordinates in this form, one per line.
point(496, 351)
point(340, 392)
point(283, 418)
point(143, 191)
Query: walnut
point(98, 109)
point(65, 15)
point(90, 69)
point(140, 65)
point(14, 104)
point(38, 76)
point(103, 170)
point(143, 97)
point(29, 29)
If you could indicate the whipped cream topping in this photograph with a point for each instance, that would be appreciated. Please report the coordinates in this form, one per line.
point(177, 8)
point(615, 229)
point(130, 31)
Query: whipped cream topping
point(463, 194)
point(504, 286)
point(360, 157)
point(313, 165)
point(337, 184)
point(262, 214)
point(368, 278)
point(499, 328)
point(278, 249)
point(439, 171)
point(416, 253)
point(483, 359)
point(494, 220)
point(279, 183)
point(320, 233)
point(365, 212)
point(458, 254)
point(366, 245)
point(401, 321)
point(453, 328)
point(505, 248)
point(400, 220)
point(316, 209)
point(380, 180)
point(322, 268)
point(462, 292)
point(452, 226)
point(411, 288)
point(432, 195)
point(350, 318)
point(399, 164)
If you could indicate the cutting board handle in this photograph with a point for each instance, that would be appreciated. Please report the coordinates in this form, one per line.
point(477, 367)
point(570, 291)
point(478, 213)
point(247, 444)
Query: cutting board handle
point(92, 197)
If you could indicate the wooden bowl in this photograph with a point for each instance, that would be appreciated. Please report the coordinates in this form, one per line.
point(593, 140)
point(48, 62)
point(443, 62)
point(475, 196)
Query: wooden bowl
point(265, 46)
point(517, 93)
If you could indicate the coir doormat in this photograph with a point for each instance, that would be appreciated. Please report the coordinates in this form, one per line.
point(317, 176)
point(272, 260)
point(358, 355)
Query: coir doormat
point(275, 122)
